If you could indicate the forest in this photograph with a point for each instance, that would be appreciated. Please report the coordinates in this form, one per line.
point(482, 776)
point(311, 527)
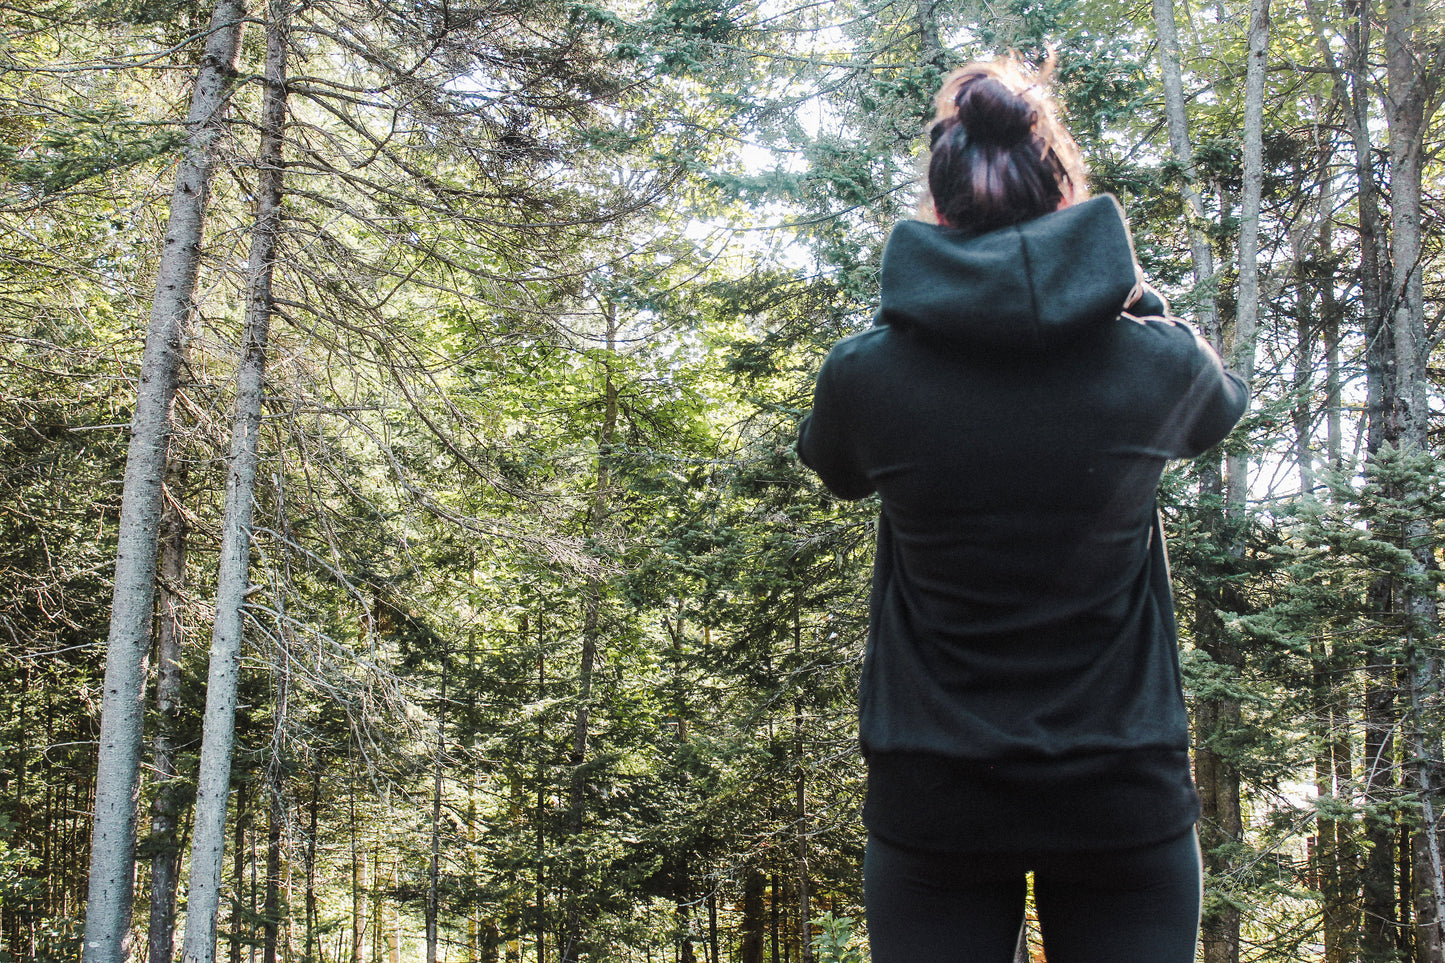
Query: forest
point(403, 551)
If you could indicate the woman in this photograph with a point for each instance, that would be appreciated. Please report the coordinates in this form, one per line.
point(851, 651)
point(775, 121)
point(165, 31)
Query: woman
point(1020, 705)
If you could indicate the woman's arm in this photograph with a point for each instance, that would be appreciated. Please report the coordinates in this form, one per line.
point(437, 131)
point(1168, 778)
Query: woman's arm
point(827, 445)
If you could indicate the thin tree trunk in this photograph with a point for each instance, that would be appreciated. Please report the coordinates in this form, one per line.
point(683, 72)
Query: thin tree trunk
point(1337, 917)
point(1221, 932)
point(238, 876)
point(214, 778)
point(805, 910)
point(682, 883)
point(378, 899)
point(1407, 118)
point(474, 912)
point(166, 807)
point(775, 912)
point(1380, 929)
point(713, 945)
point(358, 890)
point(276, 791)
point(540, 841)
point(434, 866)
point(751, 928)
point(1178, 122)
point(113, 833)
point(1246, 323)
point(1218, 784)
point(312, 922)
point(573, 942)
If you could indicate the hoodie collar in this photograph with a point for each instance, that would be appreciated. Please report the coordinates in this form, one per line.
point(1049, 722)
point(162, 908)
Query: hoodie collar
point(1029, 285)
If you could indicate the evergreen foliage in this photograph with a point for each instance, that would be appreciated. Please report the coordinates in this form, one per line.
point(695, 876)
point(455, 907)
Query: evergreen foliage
point(538, 585)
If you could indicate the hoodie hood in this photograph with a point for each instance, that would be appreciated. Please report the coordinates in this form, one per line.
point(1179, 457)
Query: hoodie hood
point(1029, 285)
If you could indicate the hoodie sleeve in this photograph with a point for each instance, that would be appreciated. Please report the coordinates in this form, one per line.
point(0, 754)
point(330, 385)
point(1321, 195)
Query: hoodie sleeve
point(825, 443)
point(1214, 403)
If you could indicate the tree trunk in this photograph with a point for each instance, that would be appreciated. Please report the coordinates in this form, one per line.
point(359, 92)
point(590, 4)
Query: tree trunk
point(573, 943)
point(775, 912)
point(276, 791)
point(434, 865)
point(1217, 782)
point(474, 911)
point(165, 810)
point(751, 927)
point(214, 778)
point(271, 908)
point(312, 922)
point(805, 910)
point(540, 841)
point(713, 945)
point(238, 875)
point(1332, 851)
point(1246, 323)
point(113, 832)
point(1205, 297)
point(1407, 117)
point(1219, 821)
point(1224, 816)
point(1377, 940)
point(358, 888)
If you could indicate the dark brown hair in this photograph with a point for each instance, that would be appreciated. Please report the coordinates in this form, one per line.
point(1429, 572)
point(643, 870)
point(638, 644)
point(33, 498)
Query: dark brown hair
point(998, 155)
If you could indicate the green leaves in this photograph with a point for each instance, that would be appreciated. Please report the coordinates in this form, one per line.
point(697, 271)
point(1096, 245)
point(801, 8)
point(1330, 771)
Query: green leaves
point(90, 142)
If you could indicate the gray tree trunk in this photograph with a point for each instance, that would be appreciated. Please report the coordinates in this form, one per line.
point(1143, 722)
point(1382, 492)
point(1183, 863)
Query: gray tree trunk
point(1206, 297)
point(165, 811)
point(433, 876)
point(573, 942)
point(1377, 936)
point(276, 791)
point(1408, 117)
point(1221, 816)
point(1246, 324)
point(805, 908)
point(214, 779)
point(117, 784)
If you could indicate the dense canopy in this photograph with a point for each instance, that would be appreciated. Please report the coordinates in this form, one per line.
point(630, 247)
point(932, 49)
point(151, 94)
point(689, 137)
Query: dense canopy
point(403, 553)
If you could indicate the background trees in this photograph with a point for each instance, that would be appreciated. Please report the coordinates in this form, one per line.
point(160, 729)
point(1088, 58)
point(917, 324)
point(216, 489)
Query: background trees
point(548, 644)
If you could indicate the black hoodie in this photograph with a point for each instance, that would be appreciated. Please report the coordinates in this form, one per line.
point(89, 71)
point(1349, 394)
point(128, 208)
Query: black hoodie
point(1015, 425)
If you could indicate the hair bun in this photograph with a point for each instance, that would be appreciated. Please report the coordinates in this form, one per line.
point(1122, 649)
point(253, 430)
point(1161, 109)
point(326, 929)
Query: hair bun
point(991, 113)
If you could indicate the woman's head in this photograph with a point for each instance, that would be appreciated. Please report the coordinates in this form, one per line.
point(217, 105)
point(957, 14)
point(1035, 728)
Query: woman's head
point(998, 155)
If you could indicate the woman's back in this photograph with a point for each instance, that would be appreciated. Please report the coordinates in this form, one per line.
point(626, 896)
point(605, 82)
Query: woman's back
point(1015, 425)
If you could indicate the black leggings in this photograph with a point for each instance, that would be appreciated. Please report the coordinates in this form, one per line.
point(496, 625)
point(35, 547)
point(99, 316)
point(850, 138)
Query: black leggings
point(1126, 906)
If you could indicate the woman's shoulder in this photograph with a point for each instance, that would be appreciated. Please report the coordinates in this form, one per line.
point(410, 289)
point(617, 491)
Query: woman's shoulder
point(1166, 333)
point(868, 344)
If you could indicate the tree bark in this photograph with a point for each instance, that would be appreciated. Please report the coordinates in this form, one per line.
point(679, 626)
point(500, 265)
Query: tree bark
point(238, 874)
point(573, 943)
point(1380, 923)
point(1246, 324)
point(540, 819)
point(751, 927)
point(214, 778)
point(1206, 306)
point(805, 910)
point(1218, 784)
point(276, 792)
point(434, 865)
point(1407, 117)
point(312, 920)
point(113, 832)
point(358, 880)
point(165, 810)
